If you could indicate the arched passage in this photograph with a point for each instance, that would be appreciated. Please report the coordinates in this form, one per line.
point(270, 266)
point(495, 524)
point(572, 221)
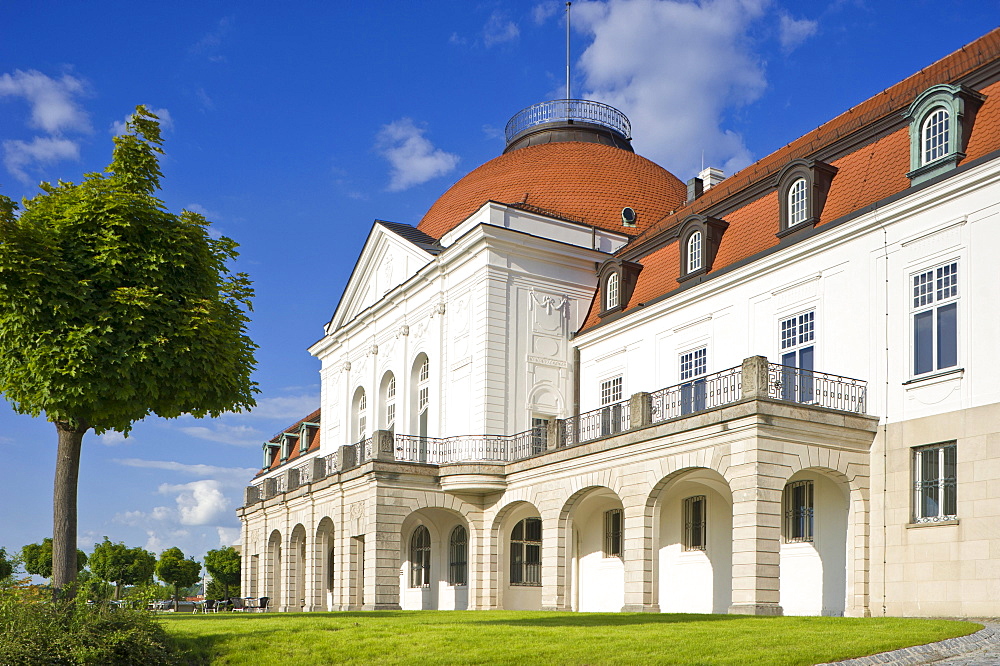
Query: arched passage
point(813, 559)
point(272, 569)
point(295, 599)
point(434, 552)
point(692, 541)
point(516, 538)
point(323, 566)
point(592, 523)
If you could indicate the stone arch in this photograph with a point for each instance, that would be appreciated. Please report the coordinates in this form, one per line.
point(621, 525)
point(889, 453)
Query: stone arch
point(441, 594)
point(687, 532)
point(272, 569)
point(582, 550)
point(502, 593)
point(545, 399)
point(295, 563)
point(323, 565)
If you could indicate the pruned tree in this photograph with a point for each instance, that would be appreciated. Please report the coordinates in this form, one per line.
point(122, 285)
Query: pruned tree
point(37, 558)
point(116, 563)
point(112, 309)
point(174, 570)
point(224, 566)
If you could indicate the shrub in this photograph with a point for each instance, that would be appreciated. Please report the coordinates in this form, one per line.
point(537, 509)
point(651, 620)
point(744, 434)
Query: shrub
point(34, 631)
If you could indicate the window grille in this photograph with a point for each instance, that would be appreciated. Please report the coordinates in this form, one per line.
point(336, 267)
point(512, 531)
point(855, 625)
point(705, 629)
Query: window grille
point(797, 202)
point(611, 292)
point(425, 371)
point(539, 434)
point(799, 511)
point(934, 136)
point(458, 556)
point(694, 252)
point(611, 391)
point(526, 553)
point(694, 365)
point(420, 557)
point(935, 318)
point(935, 483)
point(694, 523)
point(613, 536)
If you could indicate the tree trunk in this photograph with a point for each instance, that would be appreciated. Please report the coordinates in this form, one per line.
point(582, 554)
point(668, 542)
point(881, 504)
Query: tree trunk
point(64, 508)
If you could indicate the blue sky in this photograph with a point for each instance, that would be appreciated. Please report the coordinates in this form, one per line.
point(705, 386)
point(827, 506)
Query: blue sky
point(292, 126)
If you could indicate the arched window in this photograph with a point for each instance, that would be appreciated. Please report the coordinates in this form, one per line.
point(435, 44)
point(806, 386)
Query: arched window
point(420, 557)
point(934, 135)
point(526, 552)
point(360, 420)
point(611, 292)
point(694, 252)
point(423, 395)
point(797, 202)
point(458, 556)
point(389, 402)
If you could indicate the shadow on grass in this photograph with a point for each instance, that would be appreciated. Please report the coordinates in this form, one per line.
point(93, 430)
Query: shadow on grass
point(609, 619)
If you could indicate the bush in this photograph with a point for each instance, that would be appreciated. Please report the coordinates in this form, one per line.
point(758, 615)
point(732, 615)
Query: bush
point(39, 631)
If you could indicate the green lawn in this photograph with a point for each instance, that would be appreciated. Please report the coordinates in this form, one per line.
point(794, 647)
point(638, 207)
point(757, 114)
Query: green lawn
point(508, 637)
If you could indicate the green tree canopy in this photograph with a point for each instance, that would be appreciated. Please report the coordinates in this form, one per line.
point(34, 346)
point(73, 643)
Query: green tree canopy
point(37, 558)
point(224, 566)
point(113, 308)
point(174, 570)
point(116, 563)
point(6, 565)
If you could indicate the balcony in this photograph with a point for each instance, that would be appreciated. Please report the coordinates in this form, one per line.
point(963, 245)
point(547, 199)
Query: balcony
point(474, 463)
point(567, 111)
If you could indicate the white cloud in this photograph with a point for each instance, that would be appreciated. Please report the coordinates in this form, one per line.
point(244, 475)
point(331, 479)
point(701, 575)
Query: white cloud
point(54, 108)
point(229, 536)
point(499, 29)
point(232, 476)
point(112, 438)
point(457, 39)
point(674, 68)
point(20, 156)
point(199, 502)
point(792, 32)
point(413, 159)
point(158, 541)
point(211, 41)
point(118, 127)
point(236, 435)
point(543, 11)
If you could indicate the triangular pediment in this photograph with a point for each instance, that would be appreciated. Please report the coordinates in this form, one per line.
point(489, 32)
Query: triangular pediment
point(392, 254)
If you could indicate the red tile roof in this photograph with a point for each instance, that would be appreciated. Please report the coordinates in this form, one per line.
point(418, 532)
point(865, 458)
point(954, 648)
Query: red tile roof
point(588, 182)
point(294, 453)
point(873, 170)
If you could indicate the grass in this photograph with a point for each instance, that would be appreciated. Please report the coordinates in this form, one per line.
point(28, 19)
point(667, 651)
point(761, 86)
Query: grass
point(509, 637)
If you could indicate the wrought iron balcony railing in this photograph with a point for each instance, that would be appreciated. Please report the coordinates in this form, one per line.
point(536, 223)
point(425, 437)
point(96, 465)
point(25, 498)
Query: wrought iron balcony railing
point(582, 110)
point(810, 387)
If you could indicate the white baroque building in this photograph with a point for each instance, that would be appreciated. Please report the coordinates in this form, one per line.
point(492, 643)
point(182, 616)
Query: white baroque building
point(580, 384)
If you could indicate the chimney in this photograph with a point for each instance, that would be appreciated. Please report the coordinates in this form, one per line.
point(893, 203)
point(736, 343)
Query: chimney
point(711, 177)
point(695, 189)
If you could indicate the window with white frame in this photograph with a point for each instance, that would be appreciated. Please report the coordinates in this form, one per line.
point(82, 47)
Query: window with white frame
point(458, 556)
point(612, 414)
point(694, 523)
point(613, 534)
point(798, 340)
point(797, 202)
point(693, 366)
point(539, 433)
point(935, 318)
point(390, 404)
point(798, 501)
point(611, 290)
point(934, 133)
point(526, 553)
point(360, 415)
point(420, 557)
point(694, 255)
point(423, 396)
point(934, 483)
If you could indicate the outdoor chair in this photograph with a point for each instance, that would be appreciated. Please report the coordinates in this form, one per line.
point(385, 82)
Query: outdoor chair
point(262, 604)
point(236, 604)
point(211, 606)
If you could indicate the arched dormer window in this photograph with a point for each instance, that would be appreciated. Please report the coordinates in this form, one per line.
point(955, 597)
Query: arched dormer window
point(611, 292)
point(941, 120)
point(802, 189)
point(694, 258)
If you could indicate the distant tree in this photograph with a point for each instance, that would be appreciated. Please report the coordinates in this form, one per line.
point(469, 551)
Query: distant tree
point(174, 570)
point(118, 564)
point(37, 558)
point(7, 565)
point(113, 308)
point(224, 566)
point(217, 590)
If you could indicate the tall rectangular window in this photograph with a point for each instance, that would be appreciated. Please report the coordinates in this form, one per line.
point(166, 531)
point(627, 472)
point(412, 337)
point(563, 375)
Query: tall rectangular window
point(613, 538)
point(611, 398)
point(798, 503)
point(934, 483)
point(539, 433)
point(694, 523)
point(935, 319)
point(798, 339)
point(694, 365)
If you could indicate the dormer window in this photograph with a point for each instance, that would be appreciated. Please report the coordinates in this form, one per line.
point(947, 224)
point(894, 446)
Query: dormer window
point(699, 237)
point(694, 259)
point(802, 189)
point(611, 299)
point(941, 120)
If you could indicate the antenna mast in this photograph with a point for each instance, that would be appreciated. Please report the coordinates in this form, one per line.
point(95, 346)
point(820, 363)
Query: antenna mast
point(567, 50)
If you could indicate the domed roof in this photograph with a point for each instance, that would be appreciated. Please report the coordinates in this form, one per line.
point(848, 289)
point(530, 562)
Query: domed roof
point(587, 182)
